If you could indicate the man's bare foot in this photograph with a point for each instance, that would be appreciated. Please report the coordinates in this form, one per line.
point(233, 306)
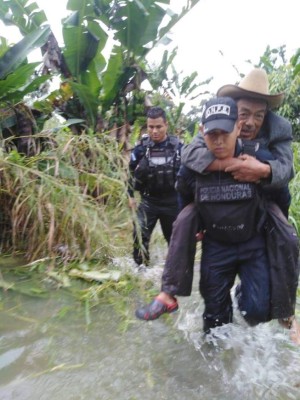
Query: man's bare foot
point(166, 298)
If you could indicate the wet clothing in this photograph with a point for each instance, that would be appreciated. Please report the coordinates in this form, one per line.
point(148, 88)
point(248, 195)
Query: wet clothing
point(283, 254)
point(280, 195)
point(153, 168)
point(178, 272)
point(148, 213)
point(220, 264)
point(177, 277)
point(237, 249)
point(233, 245)
point(275, 135)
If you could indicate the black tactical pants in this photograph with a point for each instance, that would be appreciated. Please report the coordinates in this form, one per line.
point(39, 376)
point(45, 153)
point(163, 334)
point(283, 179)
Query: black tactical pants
point(149, 212)
point(221, 263)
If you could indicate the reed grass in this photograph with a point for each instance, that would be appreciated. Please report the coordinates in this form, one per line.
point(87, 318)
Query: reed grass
point(68, 200)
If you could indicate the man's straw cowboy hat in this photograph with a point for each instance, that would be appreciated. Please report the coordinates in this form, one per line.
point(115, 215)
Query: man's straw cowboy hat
point(254, 85)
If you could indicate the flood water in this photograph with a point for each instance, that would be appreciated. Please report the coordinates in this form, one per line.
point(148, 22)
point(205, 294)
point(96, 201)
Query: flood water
point(48, 352)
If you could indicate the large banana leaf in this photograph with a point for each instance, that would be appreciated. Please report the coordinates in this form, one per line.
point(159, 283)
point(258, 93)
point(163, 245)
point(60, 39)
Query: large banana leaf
point(88, 100)
point(115, 78)
point(83, 36)
point(137, 27)
point(137, 24)
point(90, 78)
point(16, 96)
point(25, 15)
point(17, 54)
point(17, 79)
point(81, 47)
point(83, 7)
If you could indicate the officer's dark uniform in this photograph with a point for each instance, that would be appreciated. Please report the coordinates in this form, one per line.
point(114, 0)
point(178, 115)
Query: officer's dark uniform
point(234, 244)
point(153, 168)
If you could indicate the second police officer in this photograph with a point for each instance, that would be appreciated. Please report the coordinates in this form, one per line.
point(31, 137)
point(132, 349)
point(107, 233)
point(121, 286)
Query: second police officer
point(153, 167)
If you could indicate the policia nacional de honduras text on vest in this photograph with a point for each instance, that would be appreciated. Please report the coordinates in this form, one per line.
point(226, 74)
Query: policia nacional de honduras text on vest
point(230, 211)
point(156, 173)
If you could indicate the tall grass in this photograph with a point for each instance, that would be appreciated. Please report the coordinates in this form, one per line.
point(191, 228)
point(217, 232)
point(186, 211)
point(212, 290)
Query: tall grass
point(68, 200)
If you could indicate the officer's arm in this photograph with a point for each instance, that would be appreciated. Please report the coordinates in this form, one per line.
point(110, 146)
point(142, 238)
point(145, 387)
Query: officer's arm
point(131, 168)
point(196, 156)
point(185, 186)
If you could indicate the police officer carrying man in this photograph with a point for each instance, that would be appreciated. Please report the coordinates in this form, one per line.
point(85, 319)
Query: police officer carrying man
point(153, 167)
point(232, 215)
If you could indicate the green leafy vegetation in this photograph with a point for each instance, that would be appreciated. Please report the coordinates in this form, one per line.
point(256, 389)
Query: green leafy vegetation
point(63, 184)
point(65, 201)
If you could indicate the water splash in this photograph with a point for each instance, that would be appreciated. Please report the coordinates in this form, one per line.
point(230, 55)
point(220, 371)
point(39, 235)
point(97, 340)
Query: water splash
point(252, 362)
point(237, 361)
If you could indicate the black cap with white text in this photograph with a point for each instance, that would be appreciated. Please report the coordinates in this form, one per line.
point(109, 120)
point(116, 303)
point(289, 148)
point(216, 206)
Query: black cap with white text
point(219, 113)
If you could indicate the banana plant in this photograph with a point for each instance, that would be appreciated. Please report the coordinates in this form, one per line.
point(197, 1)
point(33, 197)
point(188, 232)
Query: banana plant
point(138, 28)
point(18, 78)
point(23, 14)
point(94, 83)
point(13, 57)
point(84, 40)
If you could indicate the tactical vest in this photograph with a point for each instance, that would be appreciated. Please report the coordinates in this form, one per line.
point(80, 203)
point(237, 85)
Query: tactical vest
point(156, 172)
point(229, 209)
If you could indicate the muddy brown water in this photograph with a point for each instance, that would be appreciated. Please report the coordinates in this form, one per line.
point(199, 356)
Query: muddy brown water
point(48, 352)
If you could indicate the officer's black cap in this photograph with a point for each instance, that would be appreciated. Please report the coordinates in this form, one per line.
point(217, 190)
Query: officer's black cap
point(219, 113)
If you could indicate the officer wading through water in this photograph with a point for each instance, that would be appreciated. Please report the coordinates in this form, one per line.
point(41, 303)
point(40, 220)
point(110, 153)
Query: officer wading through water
point(232, 217)
point(153, 167)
